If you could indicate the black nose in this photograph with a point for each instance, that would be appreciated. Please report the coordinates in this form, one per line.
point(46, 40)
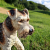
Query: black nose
point(30, 30)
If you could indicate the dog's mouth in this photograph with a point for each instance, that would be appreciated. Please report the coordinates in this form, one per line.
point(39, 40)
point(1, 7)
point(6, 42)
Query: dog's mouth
point(26, 34)
point(30, 33)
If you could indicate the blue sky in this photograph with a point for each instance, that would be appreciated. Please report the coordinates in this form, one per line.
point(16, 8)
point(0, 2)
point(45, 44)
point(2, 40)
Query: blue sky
point(44, 2)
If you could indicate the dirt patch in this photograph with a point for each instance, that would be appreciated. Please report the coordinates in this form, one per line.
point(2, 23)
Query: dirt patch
point(3, 10)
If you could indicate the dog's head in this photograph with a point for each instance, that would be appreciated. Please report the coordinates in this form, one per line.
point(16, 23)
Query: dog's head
point(20, 21)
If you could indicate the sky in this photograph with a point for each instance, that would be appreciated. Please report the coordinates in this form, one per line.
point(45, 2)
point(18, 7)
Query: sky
point(44, 2)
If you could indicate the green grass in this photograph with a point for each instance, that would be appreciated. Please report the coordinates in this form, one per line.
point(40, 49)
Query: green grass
point(41, 36)
point(2, 17)
point(40, 39)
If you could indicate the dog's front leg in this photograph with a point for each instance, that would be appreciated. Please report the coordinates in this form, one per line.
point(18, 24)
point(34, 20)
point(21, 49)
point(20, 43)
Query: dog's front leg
point(7, 45)
point(18, 44)
point(6, 48)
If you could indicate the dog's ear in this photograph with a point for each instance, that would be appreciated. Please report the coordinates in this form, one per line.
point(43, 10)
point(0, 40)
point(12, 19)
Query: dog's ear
point(26, 11)
point(12, 13)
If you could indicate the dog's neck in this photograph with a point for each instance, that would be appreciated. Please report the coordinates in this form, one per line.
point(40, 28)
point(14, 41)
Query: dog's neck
point(8, 24)
point(8, 27)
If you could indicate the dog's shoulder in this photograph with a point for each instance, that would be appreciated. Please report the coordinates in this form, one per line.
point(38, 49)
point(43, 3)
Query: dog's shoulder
point(2, 39)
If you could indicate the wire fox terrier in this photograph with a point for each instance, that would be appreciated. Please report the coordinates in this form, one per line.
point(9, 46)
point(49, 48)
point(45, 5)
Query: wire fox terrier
point(17, 21)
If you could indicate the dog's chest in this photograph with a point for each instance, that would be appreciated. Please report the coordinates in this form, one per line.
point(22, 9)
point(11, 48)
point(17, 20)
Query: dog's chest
point(13, 38)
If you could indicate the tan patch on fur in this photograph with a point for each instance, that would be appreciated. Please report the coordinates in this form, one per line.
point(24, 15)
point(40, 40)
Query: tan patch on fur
point(28, 19)
point(3, 40)
point(10, 12)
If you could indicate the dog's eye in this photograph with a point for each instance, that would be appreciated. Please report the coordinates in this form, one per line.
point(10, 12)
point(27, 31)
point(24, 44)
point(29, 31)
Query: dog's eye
point(27, 19)
point(21, 21)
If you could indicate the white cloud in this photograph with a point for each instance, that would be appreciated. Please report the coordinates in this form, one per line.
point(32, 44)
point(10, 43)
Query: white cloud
point(47, 4)
point(46, 0)
point(37, 1)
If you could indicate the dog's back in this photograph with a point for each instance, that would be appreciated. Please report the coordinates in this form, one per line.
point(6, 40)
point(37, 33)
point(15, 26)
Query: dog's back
point(1, 34)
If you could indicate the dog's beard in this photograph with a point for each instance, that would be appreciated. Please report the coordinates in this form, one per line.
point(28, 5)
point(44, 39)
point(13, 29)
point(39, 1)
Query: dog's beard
point(24, 35)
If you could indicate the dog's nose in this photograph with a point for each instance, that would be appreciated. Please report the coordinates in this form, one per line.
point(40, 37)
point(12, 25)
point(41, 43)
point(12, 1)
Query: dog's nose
point(30, 30)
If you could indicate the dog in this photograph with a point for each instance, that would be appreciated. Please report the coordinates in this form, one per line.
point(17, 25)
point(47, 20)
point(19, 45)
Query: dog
point(17, 21)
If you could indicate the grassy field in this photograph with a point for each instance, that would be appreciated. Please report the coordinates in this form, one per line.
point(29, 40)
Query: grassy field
point(40, 39)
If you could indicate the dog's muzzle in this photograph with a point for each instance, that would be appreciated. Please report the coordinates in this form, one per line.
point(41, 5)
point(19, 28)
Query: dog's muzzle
point(27, 33)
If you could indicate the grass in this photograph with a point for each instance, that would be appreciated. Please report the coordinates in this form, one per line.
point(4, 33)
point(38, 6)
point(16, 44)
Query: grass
point(2, 17)
point(40, 39)
point(41, 35)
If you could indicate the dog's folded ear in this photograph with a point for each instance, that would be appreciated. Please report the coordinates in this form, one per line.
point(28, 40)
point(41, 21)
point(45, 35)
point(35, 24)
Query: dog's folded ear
point(26, 11)
point(12, 13)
